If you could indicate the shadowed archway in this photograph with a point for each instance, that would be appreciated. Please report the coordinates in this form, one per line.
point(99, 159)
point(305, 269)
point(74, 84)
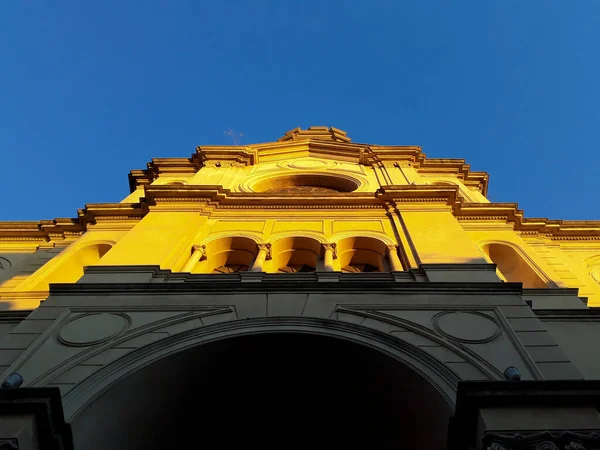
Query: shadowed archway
point(274, 390)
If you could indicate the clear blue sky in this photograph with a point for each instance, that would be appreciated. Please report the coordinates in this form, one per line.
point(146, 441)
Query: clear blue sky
point(92, 89)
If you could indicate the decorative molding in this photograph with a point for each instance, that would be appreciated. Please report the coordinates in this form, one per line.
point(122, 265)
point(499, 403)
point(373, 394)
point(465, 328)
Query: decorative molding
point(544, 440)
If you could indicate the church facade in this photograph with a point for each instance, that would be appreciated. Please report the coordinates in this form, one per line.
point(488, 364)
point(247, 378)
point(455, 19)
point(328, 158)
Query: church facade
point(307, 292)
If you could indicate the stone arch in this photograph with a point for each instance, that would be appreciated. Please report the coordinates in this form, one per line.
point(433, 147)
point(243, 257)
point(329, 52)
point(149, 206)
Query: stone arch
point(362, 252)
point(69, 265)
point(514, 265)
point(294, 254)
point(227, 254)
point(443, 380)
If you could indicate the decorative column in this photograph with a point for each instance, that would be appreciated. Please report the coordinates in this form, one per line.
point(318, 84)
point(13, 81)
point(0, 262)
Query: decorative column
point(394, 259)
point(198, 253)
point(264, 253)
point(330, 255)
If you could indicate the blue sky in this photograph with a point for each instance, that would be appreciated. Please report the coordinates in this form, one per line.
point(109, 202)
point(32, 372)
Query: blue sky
point(90, 90)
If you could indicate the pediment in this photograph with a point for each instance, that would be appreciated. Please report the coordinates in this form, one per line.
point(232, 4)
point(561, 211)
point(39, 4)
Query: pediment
point(283, 151)
point(322, 143)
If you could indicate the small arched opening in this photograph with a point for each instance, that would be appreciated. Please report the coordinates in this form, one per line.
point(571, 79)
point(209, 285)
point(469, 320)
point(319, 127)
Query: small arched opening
point(227, 255)
point(295, 254)
point(362, 254)
point(512, 266)
point(273, 390)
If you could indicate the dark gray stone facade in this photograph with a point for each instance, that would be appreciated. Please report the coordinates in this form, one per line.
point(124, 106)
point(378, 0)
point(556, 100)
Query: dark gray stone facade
point(123, 331)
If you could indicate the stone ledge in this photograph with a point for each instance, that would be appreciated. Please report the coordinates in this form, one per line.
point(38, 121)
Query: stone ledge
point(44, 406)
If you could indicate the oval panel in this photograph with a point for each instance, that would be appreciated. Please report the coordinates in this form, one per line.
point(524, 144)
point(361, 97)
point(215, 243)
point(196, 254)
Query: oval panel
point(91, 329)
point(468, 327)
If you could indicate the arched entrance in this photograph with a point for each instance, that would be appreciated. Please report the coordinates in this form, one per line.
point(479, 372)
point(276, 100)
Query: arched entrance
point(274, 390)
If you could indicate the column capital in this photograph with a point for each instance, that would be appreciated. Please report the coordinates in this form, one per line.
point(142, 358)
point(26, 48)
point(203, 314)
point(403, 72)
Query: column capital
point(266, 247)
point(201, 249)
point(390, 209)
point(392, 247)
point(332, 247)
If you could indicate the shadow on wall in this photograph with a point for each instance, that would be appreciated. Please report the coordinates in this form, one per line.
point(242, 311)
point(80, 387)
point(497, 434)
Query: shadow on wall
point(512, 266)
point(70, 268)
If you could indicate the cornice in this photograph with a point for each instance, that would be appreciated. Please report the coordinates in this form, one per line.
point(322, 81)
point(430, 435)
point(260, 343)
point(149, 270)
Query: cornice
point(62, 229)
point(552, 229)
point(42, 231)
point(207, 198)
point(111, 211)
point(159, 166)
point(220, 198)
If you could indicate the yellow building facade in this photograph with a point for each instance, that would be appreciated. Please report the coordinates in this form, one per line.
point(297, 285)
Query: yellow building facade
point(311, 201)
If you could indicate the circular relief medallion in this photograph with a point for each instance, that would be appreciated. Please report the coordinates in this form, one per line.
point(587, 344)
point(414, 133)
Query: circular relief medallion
point(467, 327)
point(91, 329)
point(307, 164)
point(596, 274)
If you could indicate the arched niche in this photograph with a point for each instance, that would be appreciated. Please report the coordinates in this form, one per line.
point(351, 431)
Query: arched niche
point(69, 267)
point(270, 388)
point(311, 183)
point(294, 254)
point(227, 255)
point(362, 254)
point(513, 266)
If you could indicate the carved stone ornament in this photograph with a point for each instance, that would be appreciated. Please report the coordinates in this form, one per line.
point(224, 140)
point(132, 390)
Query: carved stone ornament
point(545, 440)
